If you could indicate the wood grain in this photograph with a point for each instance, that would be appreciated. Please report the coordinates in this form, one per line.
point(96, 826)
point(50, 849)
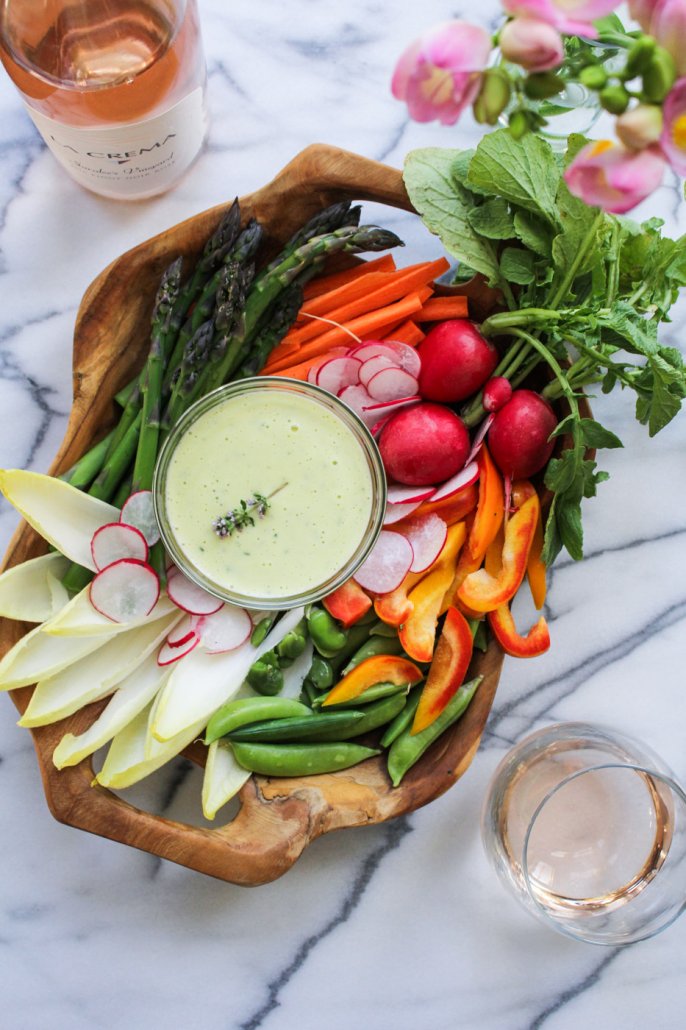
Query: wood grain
point(278, 817)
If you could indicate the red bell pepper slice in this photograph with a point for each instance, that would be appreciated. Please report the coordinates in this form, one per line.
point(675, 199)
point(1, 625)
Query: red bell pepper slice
point(348, 604)
point(537, 640)
point(449, 667)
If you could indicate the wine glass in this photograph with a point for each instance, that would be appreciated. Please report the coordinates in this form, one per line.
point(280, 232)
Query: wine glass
point(587, 827)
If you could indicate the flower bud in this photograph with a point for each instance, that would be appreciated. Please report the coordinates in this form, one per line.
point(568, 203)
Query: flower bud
point(534, 44)
point(640, 127)
point(659, 76)
point(614, 99)
point(593, 76)
point(493, 97)
point(542, 85)
point(518, 124)
point(639, 56)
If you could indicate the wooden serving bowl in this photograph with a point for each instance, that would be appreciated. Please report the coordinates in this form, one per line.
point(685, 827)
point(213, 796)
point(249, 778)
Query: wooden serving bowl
point(278, 817)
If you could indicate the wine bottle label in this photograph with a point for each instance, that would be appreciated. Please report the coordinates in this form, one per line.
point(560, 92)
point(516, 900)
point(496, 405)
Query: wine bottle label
point(137, 159)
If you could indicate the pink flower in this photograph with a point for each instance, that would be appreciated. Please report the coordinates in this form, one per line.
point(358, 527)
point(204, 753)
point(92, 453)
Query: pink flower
point(609, 176)
point(534, 44)
point(642, 11)
point(673, 139)
point(572, 17)
point(440, 73)
point(668, 26)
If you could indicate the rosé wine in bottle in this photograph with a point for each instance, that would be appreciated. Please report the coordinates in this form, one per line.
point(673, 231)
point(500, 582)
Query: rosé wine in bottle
point(115, 87)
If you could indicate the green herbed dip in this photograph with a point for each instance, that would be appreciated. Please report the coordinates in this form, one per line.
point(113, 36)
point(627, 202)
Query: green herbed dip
point(255, 443)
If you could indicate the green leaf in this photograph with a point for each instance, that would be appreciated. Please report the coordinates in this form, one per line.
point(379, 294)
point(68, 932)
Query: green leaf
point(568, 517)
point(578, 245)
point(575, 143)
point(444, 206)
point(493, 220)
point(522, 171)
point(561, 472)
point(517, 265)
point(595, 435)
point(624, 326)
point(533, 233)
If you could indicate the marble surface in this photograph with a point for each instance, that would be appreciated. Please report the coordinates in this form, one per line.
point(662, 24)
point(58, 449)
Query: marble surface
point(400, 926)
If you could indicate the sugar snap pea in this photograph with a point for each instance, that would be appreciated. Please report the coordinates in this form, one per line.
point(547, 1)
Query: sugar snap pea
point(300, 759)
point(408, 748)
point(376, 714)
point(327, 636)
point(373, 693)
point(245, 710)
point(375, 645)
point(307, 729)
point(382, 629)
point(402, 719)
point(357, 635)
point(261, 629)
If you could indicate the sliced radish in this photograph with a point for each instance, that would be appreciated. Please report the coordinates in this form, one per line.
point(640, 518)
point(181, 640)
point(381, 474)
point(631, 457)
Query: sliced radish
point(225, 630)
point(390, 407)
point(396, 512)
point(378, 426)
point(479, 438)
point(357, 398)
point(168, 654)
point(312, 374)
point(387, 565)
point(406, 356)
point(468, 475)
point(371, 366)
point(398, 494)
point(138, 511)
point(182, 632)
point(371, 349)
point(392, 384)
point(191, 598)
point(126, 590)
point(115, 541)
point(427, 535)
point(337, 373)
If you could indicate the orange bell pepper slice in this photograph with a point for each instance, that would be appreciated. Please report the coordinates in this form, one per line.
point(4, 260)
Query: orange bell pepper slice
point(395, 607)
point(448, 669)
point(382, 668)
point(535, 568)
point(418, 632)
point(482, 591)
point(490, 509)
point(451, 509)
point(348, 603)
point(537, 640)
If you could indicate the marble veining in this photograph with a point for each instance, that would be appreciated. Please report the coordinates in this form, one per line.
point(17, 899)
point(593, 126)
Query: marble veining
point(394, 927)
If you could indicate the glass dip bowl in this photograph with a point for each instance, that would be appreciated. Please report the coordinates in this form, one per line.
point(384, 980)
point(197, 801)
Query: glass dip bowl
point(292, 445)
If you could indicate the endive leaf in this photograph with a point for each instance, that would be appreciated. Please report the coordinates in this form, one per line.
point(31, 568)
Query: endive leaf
point(31, 592)
point(80, 618)
point(133, 695)
point(201, 682)
point(94, 676)
point(126, 763)
point(223, 778)
point(64, 516)
point(38, 655)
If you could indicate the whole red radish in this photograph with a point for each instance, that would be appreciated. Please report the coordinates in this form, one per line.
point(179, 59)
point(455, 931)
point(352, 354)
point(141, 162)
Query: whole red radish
point(518, 437)
point(424, 444)
point(456, 361)
point(496, 393)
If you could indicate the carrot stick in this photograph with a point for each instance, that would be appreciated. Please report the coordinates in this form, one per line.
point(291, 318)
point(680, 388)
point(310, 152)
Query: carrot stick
point(407, 332)
point(324, 283)
point(413, 277)
point(440, 308)
point(398, 285)
point(372, 322)
point(300, 370)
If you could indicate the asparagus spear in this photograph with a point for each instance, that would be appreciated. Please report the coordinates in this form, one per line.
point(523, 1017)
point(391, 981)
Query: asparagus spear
point(272, 331)
point(83, 472)
point(322, 222)
point(151, 385)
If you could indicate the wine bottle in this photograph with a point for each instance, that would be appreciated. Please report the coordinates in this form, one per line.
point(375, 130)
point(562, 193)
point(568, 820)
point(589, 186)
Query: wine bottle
point(115, 87)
